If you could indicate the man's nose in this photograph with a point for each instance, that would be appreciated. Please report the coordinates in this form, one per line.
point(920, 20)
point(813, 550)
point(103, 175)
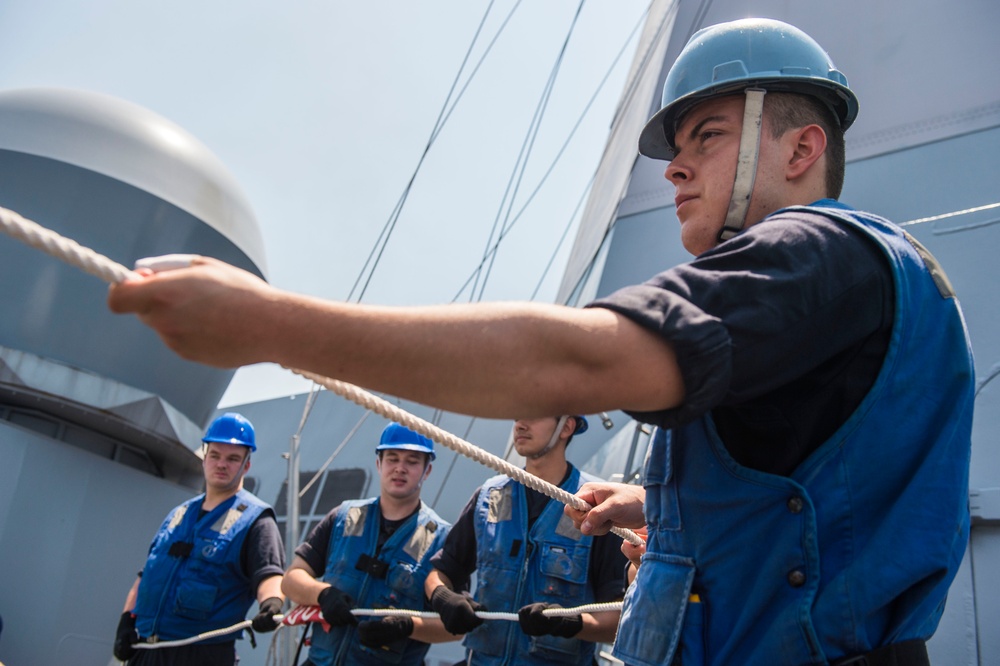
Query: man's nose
point(677, 171)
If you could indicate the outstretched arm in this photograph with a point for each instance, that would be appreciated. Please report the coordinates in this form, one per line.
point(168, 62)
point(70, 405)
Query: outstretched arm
point(500, 360)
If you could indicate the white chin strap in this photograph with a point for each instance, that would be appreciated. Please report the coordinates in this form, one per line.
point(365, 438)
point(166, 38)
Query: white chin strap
point(552, 440)
point(746, 165)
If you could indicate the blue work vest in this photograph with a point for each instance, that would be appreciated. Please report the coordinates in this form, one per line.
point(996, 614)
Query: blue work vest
point(202, 587)
point(406, 554)
point(857, 548)
point(516, 567)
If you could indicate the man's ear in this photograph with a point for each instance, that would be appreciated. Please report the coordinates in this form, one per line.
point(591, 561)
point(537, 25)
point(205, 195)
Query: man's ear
point(807, 145)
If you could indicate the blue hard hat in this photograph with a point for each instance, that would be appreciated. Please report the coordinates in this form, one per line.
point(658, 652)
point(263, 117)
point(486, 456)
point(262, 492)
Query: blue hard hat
point(396, 436)
point(729, 58)
point(231, 428)
point(581, 424)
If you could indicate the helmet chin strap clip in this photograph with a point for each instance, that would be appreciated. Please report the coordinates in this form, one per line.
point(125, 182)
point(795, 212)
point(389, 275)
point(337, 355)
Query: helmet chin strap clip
point(552, 441)
point(746, 164)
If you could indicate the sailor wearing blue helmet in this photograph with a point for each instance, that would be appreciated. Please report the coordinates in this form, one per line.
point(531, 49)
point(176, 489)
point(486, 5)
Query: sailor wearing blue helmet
point(374, 553)
point(212, 557)
point(805, 455)
point(527, 557)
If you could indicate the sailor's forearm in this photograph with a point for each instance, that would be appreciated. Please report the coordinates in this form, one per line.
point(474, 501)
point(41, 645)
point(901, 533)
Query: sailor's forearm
point(501, 360)
point(497, 360)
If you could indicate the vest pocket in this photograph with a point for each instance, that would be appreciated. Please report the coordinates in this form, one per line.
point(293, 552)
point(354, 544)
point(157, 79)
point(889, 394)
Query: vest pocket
point(662, 498)
point(387, 654)
point(656, 610)
point(404, 587)
point(194, 600)
point(564, 570)
point(555, 649)
point(487, 639)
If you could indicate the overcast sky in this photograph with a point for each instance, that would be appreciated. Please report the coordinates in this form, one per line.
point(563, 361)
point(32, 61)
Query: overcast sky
point(321, 110)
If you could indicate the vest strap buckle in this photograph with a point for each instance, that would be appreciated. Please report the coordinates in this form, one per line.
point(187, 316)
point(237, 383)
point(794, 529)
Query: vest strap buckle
point(180, 549)
point(372, 566)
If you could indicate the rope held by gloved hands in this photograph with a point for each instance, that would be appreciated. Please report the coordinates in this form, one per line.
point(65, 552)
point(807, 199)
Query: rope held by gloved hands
point(307, 614)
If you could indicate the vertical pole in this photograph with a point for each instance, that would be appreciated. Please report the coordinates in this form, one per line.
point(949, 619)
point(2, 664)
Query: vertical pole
point(630, 460)
point(291, 532)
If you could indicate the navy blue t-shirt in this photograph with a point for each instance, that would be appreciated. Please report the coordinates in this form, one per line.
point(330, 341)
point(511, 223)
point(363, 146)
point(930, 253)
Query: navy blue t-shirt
point(779, 333)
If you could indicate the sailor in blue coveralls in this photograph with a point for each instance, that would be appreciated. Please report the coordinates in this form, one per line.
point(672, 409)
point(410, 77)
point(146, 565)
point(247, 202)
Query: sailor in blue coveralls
point(212, 557)
point(807, 495)
point(527, 557)
point(806, 503)
point(374, 553)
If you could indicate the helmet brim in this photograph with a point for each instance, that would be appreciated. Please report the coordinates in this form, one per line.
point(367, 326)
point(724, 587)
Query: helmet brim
point(657, 139)
point(407, 447)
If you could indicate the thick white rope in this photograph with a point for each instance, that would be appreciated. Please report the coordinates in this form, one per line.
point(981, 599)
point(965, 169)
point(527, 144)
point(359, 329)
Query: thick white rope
point(385, 408)
point(239, 626)
point(492, 615)
point(62, 248)
point(108, 270)
point(308, 614)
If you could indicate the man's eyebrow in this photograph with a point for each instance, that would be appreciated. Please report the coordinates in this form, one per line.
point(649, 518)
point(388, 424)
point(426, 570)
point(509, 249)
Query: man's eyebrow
point(704, 121)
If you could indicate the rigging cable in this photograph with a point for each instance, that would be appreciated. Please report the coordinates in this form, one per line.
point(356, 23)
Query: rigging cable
point(586, 109)
point(451, 466)
point(954, 213)
point(375, 256)
point(521, 164)
point(562, 238)
point(628, 95)
point(447, 108)
point(633, 83)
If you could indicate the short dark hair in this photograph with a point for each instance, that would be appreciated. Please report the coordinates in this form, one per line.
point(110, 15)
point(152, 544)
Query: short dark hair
point(787, 111)
point(204, 450)
point(427, 456)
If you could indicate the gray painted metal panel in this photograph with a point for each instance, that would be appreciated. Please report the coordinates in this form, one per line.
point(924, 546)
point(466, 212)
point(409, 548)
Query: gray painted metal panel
point(128, 183)
point(53, 310)
point(101, 405)
point(955, 640)
point(74, 530)
point(985, 551)
point(132, 144)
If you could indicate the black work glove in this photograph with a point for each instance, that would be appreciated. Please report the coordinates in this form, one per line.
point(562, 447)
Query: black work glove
point(457, 611)
point(125, 637)
point(386, 630)
point(336, 606)
point(534, 623)
point(264, 620)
